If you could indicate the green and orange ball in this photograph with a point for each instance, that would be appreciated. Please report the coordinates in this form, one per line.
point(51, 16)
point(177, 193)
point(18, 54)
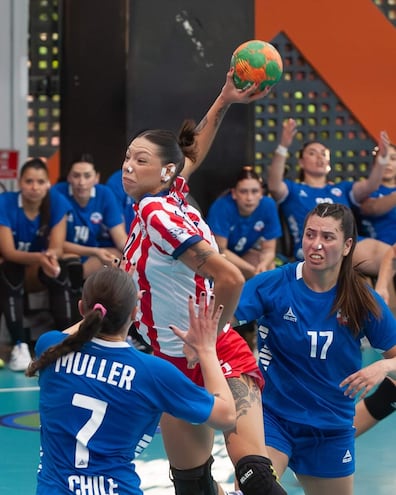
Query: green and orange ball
point(256, 61)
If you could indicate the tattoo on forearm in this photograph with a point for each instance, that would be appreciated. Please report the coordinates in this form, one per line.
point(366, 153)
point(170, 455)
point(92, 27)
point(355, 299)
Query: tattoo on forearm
point(201, 255)
point(217, 120)
point(220, 115)
point(201, 125)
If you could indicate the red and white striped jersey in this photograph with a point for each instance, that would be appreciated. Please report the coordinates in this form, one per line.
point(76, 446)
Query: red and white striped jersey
point(164, 227)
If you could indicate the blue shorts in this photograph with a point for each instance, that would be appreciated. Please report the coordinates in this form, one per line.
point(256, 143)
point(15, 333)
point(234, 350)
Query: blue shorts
point(311, 451)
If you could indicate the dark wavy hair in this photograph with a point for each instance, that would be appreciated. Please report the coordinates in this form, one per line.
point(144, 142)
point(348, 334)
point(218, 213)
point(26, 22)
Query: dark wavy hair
point(174, 148)
point(247, 172)
point(112, 288)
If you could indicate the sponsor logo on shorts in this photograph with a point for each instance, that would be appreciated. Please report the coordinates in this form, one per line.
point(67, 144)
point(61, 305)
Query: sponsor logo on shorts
point(347, 457)
point(225, 367)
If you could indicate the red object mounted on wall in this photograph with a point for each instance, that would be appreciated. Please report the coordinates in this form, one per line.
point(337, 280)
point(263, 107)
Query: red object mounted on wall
point(8, 164)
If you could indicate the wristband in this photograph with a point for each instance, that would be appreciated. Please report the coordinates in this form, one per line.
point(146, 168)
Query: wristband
point(281, 150)
point(382, 160)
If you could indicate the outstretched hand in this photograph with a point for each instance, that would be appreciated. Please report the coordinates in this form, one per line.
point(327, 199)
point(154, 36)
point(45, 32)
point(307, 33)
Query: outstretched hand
point(201, 337)
point(289, 130)
point(364, 380)
point(231, 94)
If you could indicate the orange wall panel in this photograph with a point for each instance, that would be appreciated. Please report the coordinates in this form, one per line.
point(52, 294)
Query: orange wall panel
point(53, 164)
point(350, 44)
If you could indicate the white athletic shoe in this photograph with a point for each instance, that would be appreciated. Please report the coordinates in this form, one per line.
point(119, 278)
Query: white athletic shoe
point(20, 357)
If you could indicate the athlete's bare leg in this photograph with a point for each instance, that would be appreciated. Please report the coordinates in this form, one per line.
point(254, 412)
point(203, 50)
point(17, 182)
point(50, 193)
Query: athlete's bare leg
point(247, 439)
point(326, 486)
point(187, 446)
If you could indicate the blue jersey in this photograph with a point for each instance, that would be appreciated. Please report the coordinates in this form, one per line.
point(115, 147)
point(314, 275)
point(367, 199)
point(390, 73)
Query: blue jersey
point(99, 408)
point(304, 351)
point(126, 202)
point(27, 234)
point(89, 225)
point(301, 199)
point(243, 233)
point(381, 227)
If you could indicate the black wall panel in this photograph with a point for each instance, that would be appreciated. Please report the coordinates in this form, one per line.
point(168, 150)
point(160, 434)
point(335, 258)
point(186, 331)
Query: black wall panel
point(93, 75)
point(133, 64)
point(179, 53)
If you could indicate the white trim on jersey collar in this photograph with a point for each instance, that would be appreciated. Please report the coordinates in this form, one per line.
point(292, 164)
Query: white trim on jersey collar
point(107, 343)
point(299, 269)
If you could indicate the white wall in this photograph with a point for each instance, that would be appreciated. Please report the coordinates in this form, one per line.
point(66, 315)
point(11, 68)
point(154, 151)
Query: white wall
point(14, 17)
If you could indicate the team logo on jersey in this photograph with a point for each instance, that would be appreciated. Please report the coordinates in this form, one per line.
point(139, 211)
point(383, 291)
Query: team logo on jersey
point(347, 457)
point(341, 319)
point(258, 226)
point(96, 217)
point(176, 232)
point(289, 315)
point(336, 191)
point(303, 194)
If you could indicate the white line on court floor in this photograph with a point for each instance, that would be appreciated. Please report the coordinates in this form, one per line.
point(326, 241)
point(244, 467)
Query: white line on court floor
point(19, 389)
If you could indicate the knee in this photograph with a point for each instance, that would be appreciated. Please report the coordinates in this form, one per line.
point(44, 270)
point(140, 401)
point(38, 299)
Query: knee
point(380, 404)
point(256, 476)
point(195, 481)
point(70, 276)
point(74, 272)
point(12, 277)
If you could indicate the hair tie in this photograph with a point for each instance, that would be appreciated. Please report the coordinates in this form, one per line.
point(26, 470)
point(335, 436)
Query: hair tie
point(101, 308)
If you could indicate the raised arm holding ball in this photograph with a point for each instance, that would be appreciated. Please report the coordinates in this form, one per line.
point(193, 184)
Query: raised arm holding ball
point(172, 254)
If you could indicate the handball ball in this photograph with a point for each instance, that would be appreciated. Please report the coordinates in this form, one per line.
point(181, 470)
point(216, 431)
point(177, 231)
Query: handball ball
point(256, 61)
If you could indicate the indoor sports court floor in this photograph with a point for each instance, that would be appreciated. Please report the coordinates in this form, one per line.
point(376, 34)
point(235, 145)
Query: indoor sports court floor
point(19, 444)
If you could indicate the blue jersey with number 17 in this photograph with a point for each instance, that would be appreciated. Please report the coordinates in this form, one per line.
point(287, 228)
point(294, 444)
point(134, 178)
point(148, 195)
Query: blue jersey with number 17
point(99, 408)
point(305, 351)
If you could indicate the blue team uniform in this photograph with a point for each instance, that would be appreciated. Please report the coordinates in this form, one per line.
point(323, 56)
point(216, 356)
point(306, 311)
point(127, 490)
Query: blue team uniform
point(106, 391)
point(305, 353)
point(302, 198)
point(89, 225)
point(126, 202)
point(380, 227)
point(26, 232)
point(242, 232)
